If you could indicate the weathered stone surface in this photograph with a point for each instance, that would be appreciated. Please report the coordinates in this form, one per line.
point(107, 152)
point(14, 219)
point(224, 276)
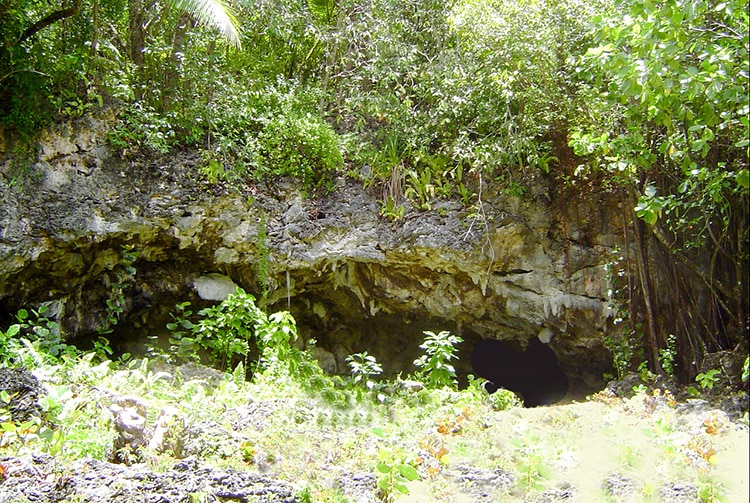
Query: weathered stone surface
point(91, 480)
point(353, 280)
point(214, 286)
point(24, 392)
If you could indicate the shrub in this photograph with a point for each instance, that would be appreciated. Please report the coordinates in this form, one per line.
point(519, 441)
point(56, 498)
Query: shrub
point(304, 146)
point(238, 328)
point(440, 348)
point(364, 366)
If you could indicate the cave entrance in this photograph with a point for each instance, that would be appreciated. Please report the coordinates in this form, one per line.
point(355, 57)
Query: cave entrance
point(533, 373)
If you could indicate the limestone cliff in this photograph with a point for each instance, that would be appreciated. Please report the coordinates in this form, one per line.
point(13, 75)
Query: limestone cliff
point(520, 267)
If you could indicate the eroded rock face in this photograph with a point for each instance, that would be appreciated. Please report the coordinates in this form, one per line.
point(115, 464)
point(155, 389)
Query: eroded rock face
point(23, 392)
point(353, 280)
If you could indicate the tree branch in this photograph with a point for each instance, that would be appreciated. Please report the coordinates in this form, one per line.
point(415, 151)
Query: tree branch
point(49, 19)
point(22, 71)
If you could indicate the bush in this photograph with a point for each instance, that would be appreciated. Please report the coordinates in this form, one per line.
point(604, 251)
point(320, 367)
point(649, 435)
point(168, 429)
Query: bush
point(304, 146)
point(435, 370)
point(237, 329)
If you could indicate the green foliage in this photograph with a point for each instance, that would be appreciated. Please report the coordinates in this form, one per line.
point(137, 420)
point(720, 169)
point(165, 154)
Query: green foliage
point(235, 330)
point(20, 435)
point(640, 389)
point(693, 391)
point(530, 462)
point(622, 349)
point(262, 264)
point(668, 125)
point(364, 366)
point(124, 273)
point(435, 369)
point(502, 399)
point(670, 71)
point(457, 90)
point(645, 372)
point(667, 355)
point(711, 491)
point(10, 345)
point(708, 379)
point(267, 129)
point(390, 210)
point(225, 330)
point(181, 327)
point(143, 377)
point(142, 127)
point(746, 370)
point(40, 339)
point(45, 432)
point(394, 471)
point(277, 334)
point(213, 13)
point(300, 145)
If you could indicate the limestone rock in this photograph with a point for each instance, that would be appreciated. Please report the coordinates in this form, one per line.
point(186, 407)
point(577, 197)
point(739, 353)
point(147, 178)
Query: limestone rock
point(353, 280)
point(214, 286)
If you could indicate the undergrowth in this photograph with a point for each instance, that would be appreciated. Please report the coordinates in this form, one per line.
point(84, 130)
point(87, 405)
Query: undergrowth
point(309, 428)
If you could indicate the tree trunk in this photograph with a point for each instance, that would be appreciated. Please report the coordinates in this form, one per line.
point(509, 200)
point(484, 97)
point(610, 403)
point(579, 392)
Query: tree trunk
point(641, 252)
point(137, 31)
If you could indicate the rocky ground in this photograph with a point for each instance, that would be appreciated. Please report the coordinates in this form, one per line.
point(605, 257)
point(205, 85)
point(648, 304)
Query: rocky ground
point(645, 447)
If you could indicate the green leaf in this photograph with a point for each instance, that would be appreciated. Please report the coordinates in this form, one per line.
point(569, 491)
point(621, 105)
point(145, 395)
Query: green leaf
point(408, 472)
point(385, 455)
point(46, 434)
point(383, 468)
point(13, 330)
point(401, 487)
point(214, 13)
point(742, 177)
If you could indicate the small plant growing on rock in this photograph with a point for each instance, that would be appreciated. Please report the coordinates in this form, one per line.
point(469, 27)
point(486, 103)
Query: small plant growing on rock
point(394, 471)
point(711, 491)
point(44, 333)
point(667, 355)
point(435, 369)
point(10, 346)
point(530, 464)
point(227, 329)
point(708, 379)
point(115, 305)
point(363, 367)
point(645, 373)
point(233, 330)
point(183, 346)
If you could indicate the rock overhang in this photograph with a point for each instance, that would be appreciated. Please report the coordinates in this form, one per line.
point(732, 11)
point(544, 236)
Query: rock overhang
point(507, 273)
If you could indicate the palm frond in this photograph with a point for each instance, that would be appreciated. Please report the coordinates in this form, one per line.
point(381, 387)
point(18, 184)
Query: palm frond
point(214, 13)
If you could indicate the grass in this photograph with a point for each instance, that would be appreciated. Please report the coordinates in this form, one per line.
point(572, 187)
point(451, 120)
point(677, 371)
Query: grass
point(282, 427)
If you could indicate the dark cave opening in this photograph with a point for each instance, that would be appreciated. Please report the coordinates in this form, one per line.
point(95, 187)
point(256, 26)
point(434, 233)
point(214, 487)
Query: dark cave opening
point(533, 373)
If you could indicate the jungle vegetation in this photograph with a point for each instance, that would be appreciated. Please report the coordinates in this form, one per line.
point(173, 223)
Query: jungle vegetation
point(642, 100)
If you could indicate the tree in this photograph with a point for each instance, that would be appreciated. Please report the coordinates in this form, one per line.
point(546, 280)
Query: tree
point(671, 129)
point(47, 64)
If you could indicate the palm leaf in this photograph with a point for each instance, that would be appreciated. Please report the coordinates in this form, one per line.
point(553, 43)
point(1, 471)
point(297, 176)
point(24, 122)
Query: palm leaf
point(214, 13)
